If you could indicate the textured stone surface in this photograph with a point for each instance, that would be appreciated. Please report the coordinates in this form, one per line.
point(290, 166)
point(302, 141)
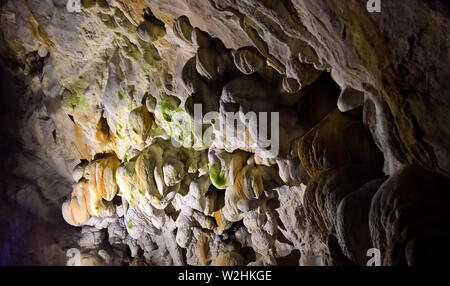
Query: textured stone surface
point(352, 222)
point(336, 141)
point(90, 102)
point(406, 219)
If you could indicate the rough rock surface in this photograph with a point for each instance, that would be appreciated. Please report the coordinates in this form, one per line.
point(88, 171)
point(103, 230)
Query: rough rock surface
point(99, 130)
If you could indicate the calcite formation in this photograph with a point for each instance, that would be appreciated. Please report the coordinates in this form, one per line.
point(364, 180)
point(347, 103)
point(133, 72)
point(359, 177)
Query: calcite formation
point(93, 192)
point(100, 104)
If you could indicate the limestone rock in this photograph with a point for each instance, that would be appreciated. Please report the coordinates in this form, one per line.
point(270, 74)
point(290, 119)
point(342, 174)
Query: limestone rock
point(248, 60)
point(139, 124)
point(290, 85)
point(325, 192)
point(350, 99)
point(183, 28)
point(352, 222)
point(200, 39)
point(336, 141)
point(151, 29)
point(408, 231)
point(142, 178)
point(84, 203)
point(99, 118)
point(101, 174)
point(206, 63)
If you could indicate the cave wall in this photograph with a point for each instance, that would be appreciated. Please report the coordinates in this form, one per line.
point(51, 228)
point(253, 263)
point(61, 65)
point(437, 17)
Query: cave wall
point(89, 97)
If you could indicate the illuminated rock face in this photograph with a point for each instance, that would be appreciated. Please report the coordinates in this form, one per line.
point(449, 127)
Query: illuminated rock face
point(93, 192)
point(99, 111)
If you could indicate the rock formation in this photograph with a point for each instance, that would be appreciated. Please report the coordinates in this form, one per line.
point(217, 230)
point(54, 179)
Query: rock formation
point(101, 130)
